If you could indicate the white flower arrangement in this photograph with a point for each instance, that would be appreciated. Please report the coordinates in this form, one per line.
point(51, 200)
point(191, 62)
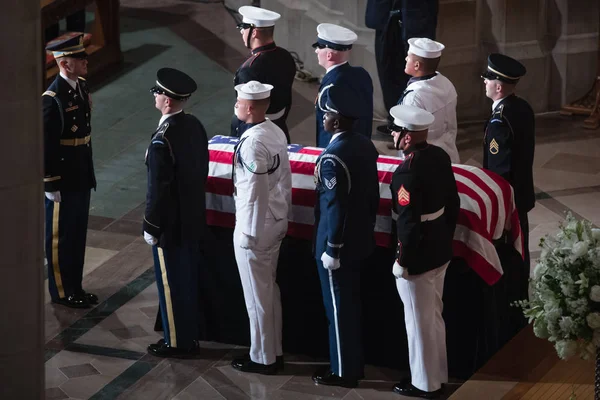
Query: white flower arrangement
point(565, 299)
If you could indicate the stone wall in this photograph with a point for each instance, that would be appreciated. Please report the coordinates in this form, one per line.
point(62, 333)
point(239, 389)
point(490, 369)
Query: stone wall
point(557, 40)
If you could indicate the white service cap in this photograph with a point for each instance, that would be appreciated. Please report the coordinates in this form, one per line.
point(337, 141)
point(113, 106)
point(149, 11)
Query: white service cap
point(424, 47)
point(335, 37)
point(253, 90)
point(411, 118)
point(259, 17)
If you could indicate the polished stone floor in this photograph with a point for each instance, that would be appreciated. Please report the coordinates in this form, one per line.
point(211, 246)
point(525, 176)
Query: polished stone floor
point(100, 353)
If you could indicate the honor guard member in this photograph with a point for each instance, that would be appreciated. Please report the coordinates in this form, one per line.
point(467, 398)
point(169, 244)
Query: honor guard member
point(267, 63)
point(433, 92)
point(263, 195)
point(69, 173)
point(174, 220)
point(333, 47)
point(396, 21)
point(347, 186)
point(509, 141)
point(426, 203)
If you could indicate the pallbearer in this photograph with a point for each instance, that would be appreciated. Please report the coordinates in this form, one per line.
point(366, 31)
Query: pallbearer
point(174, 220)
point(426, 203)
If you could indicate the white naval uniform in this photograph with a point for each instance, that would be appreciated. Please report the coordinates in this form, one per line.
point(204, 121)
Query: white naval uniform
point(438, 96)
point(425, 329)
point(262, 202)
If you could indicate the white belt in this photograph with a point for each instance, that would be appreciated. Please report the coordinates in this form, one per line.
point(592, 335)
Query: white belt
point(432, 216)
point(424, 217)
point(277, 115)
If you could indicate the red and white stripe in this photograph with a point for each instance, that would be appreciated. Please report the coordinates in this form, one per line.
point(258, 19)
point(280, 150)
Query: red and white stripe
point(487, 205)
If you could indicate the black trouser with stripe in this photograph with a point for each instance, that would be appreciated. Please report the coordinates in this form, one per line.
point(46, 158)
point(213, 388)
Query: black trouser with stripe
point(176, 269)
point(66, 231)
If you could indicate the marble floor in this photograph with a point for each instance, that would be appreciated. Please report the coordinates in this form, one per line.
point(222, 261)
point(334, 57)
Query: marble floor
point(100, 353)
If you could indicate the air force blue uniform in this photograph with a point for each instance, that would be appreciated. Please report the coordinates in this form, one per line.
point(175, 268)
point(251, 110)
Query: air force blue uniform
point(345, 213)
point(360, 86)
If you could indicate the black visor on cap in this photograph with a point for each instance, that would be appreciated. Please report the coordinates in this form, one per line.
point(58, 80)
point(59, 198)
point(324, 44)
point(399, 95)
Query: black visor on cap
point(322, 44)
point(244, 25)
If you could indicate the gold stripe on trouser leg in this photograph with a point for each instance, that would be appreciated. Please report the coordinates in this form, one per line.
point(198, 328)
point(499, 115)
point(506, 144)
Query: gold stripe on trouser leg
point(55, 266)
point(167, 293)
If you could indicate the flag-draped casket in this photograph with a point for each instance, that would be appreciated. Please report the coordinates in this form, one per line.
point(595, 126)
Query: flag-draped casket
point(487, 212)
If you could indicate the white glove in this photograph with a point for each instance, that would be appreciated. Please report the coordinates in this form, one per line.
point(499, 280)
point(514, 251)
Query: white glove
point(247, 241)
point(53, 196)
point(329, 262)
point(151, 240)
point(398, 271)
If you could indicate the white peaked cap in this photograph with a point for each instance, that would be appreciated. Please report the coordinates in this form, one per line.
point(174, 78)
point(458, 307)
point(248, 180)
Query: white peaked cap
point(259, 17)
point(411, 118)
point(336, 34)
point(424, 47)
point(253, 90)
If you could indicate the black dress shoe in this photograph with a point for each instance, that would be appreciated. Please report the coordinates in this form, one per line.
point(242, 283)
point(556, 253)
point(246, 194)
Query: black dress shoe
point(406, 388)
point(157, 344)
point(330, 379)
point(245, 364)
point(164, 350)
point(91, 298)
point(73, 301)
point(278, 361)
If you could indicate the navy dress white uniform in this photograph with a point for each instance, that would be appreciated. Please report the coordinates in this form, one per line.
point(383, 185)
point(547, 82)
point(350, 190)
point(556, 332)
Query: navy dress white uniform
point(425, 200)
point(347, 186)
point(268, 64)
point(509, 141)
point(356, 79)
point(68, 178)
point(177, 164)
point(436, 94)
point(263, 197)
point(396, 21)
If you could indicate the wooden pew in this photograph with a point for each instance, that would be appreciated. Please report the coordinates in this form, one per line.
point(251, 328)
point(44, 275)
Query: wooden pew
point(105, 47)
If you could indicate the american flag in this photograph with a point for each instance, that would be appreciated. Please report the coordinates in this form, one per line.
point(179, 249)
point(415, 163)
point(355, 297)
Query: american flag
point(486, 201)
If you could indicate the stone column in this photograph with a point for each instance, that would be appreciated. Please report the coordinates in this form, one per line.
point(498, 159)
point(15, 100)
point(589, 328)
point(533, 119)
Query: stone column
point(572, 35)
point(21, 203)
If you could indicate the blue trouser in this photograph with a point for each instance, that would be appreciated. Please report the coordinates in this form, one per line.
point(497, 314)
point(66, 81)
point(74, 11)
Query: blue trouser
point(341, 297)
point(176, 269)
point(66, 231)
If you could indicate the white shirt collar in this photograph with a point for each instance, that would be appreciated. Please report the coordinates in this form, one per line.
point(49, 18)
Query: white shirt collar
point(69, 80)
point(334, 136)
point(335, 66)
point(164, 117)
point(495, 103)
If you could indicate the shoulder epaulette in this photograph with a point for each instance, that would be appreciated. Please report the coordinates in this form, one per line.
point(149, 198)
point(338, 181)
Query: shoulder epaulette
point(160, 134)
point(49, 93)
point(159, 138)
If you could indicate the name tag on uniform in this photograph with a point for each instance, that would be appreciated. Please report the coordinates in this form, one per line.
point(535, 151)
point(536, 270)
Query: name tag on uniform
point(72, 108)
